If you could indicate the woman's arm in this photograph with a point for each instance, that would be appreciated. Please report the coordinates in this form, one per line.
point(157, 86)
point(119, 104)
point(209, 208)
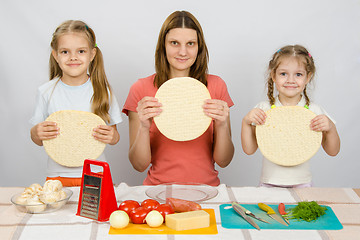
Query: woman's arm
point(223, 145)
point(139, 132)
point(139, 149)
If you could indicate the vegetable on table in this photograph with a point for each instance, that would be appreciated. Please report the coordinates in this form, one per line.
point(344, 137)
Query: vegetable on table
point(308, 211)
point(119, 219)
point(154, 219)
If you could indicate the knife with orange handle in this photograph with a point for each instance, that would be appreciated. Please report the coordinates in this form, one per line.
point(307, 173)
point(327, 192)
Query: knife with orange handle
point(282, 212)
point(271, 213)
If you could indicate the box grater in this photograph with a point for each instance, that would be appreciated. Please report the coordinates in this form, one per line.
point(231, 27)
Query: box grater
point(97, 197)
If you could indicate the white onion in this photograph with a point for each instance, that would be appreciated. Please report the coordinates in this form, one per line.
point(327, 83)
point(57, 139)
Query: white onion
point(119, 219)
point(154, 219)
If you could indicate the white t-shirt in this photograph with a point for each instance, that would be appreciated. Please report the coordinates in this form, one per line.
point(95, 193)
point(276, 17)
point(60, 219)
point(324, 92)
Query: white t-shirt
point(285, 176)
point(55, 96)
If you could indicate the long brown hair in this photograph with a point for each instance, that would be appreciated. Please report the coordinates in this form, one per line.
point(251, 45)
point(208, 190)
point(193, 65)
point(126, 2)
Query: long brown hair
point(301, 54)
point(180, 19)
point(100, 101)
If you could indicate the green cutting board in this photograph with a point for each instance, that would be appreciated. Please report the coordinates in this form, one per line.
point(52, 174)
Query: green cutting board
point(230, 219)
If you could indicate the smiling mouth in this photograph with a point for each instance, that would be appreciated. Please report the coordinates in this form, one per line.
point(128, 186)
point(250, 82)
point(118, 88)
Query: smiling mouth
point(182, 59)
point(74, 65)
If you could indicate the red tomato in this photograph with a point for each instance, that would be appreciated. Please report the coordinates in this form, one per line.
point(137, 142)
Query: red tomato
point(165, 209)
point(138, 215)
point(128, 206)
point(150, 204)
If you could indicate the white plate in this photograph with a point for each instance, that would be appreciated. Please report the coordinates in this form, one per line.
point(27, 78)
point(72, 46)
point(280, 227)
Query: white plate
point(195, 193)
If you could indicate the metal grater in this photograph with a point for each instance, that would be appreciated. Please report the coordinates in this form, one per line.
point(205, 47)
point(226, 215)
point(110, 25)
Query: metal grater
point(97, 197)
point(90, 197)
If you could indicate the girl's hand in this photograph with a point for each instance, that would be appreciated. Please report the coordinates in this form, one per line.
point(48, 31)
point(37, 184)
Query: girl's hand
point(45, 130)
point(106, 134)
point(321, 123)
point(147, 108)
point(256, 115)
point(217, 110)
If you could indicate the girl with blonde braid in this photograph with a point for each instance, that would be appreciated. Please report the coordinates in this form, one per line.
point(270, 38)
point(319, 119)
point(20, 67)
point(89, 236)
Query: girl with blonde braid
point(290, 70)
point(77, 82)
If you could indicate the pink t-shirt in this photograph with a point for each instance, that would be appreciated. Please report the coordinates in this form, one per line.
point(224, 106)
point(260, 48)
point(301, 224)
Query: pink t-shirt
point(181, 162)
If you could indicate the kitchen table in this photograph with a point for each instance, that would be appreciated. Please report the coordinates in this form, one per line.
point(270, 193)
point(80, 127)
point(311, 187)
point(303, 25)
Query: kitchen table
point(64, 224)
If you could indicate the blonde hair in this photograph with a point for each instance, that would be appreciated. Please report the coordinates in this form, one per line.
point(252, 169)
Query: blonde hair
point(100, 101)
point(301, 54)
point(181, 19)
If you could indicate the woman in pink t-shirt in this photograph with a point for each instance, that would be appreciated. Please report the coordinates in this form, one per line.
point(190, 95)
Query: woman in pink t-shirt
point(181, 52)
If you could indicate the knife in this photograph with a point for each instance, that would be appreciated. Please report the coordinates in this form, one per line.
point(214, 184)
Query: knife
point(249, 213)
point(242, 213)
point(271, 213)
point(282, 212)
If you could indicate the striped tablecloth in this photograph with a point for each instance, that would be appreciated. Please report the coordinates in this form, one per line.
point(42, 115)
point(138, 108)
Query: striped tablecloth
point(64, 224)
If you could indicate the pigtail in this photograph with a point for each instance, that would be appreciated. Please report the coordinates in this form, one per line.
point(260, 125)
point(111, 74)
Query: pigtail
point(102, 91)
point(307, 99)
point(54, 68)
point(270, 93)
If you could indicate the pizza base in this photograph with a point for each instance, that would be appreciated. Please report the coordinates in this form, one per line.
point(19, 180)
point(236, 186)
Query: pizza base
point(183, 117)
point(286, 138)
point(75, 142)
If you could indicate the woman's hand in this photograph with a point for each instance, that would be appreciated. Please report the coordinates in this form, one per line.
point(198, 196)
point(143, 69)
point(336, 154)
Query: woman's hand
point(106, 134)
point(147, 108)
point(256, 115)
point(217, 110)
point(44, 131)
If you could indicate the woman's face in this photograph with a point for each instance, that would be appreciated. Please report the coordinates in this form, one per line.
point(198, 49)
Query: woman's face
point(181, 45)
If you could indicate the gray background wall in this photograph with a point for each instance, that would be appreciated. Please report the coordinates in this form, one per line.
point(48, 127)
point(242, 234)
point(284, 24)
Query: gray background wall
point(241, 37)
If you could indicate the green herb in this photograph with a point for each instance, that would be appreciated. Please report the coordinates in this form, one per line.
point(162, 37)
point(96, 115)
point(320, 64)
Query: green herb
point(307, 211)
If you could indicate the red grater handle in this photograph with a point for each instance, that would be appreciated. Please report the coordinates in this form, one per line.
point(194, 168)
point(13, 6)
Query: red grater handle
point(107, 203)
point(88, 162)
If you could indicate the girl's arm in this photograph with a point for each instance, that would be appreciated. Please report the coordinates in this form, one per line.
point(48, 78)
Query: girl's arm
point(331, 140)
point(139, 132)
point(223, 145)
point(43, 131)
point(248, 137)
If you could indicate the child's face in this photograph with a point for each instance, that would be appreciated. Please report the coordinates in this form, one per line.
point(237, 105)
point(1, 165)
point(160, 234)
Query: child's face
point(290, 79)
point(74, 56)
point(181, 46)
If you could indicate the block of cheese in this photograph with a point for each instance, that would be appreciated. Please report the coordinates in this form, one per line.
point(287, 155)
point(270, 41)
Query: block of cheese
point(188, 220)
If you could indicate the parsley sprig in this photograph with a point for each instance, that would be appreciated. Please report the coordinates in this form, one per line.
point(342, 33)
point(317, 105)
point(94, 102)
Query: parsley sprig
point(308, 211)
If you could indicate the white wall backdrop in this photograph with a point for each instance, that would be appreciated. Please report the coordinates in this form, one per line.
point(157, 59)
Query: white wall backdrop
point(241, 37)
